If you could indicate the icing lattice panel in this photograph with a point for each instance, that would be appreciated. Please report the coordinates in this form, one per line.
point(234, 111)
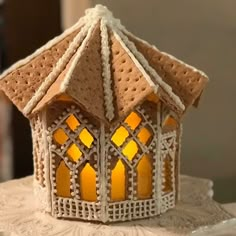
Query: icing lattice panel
point(132, 142)
point(38, 149)
point(121, 211)
point(73, 140)
point(168, 155)
point(74, 145)
point(72, 208)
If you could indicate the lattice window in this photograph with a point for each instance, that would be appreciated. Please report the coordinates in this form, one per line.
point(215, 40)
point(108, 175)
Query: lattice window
point(144, 177)
point(118, 181)
point(132, 142)
point(168, 149)
point(63, 180)
point(88, 183)
point(74, 141)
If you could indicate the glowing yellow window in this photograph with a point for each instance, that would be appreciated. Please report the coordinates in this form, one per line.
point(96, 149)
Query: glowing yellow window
point(144, 135)
point(74, 153)
point(118, 182)
point(133, 120)
point(72, 122)
point(88, 183)
point(169, 121)
point(144, 178)
point(130, 150)
point(63, 180)
point(86, 138)
point(60, 136)
point(167, 174)
point(120, 136)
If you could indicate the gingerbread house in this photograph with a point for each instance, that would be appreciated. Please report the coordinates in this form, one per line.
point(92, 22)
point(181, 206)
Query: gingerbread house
point(105, 109)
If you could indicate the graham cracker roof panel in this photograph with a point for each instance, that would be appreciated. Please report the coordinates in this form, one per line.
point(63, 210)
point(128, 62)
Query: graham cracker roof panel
point(84, 81)
point(130, 84)
point(76, 44)
point(186, 81)
point(22, 83)
point(54, 89)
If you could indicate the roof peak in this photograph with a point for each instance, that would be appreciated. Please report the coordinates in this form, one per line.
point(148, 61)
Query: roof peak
point(100, 12)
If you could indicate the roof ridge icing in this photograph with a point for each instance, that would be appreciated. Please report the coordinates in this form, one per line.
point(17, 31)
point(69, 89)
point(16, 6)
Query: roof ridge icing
point(107, 82)
point(136, 61)
point(78, 53)
point(62, 62)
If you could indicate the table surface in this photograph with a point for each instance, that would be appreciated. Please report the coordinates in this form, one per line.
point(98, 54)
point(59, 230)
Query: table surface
point(195, 213)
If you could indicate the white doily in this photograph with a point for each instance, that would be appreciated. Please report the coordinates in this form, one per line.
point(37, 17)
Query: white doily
point(19, 216)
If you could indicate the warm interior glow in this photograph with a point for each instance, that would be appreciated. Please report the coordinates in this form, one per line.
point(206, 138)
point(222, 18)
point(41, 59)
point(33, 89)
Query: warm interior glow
point(72, 122)
point(170, 122)
point(64, 98)
point(144, 135)
point(167, 175)
point(74, 153)
point(88, 183)
point(120, 136)
point(133, 120)
point(63, 180)
point(118, 182)
point(60, 136)
point(144, 178)
point(153, 98)
point(130, 150)
point(86, 138)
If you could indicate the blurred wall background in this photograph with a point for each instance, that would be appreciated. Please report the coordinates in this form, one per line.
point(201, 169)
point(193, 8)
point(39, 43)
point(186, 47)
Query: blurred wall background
point(200, 32)
point(27, 26)
point(203, 34)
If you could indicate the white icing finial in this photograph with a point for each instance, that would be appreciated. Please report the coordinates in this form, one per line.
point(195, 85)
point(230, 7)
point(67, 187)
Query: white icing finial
point(101, 12)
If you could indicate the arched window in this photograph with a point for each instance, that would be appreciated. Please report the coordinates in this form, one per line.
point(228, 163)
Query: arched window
point(63, 180)
point(144, 177)
point(118, 179)
point(88, 183)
